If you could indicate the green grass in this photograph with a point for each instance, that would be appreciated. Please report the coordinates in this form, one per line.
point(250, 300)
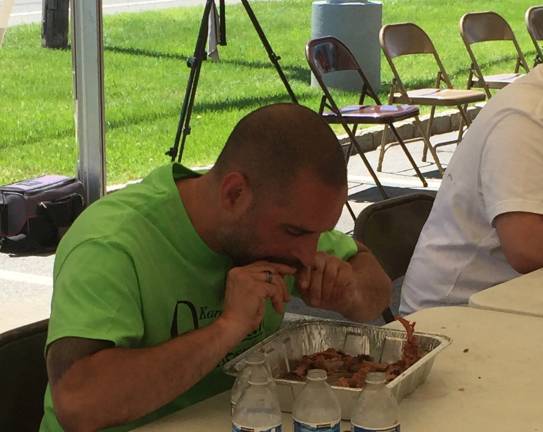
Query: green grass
point(146, 75)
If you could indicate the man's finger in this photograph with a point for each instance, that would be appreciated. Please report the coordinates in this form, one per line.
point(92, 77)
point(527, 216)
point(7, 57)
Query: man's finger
point(286, 294)
point(304, 279)
point(345, 275)
point(260, 310)
point(315, 292)
point(278, 280)
point(275, 293)
point(282, 269)
point(329, 281)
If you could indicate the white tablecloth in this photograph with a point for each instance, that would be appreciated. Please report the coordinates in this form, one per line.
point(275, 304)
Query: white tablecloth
point(489, 379)
point(522, 295)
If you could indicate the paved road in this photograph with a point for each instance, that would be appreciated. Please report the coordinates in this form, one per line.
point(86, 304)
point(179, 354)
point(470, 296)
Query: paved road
point(29, 11)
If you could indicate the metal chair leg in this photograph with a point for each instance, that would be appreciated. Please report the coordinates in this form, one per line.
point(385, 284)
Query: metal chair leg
point(460, 127)
point(464, 118)
point(352, 137)
point(428, 132)
point(350, 209)
point(464, 115)
point(427, 142)
point(372, 173)
point(383, 149)
point(404, 148)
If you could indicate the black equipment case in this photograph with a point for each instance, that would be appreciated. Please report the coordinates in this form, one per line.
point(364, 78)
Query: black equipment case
point(35, 213)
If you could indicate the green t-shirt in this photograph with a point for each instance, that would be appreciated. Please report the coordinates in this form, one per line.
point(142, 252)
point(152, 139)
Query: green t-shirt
point(132, 270)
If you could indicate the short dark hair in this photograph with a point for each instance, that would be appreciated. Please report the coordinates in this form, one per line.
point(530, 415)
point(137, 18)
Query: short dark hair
point(275, 143)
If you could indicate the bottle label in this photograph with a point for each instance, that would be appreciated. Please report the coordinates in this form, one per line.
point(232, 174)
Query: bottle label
point(238, 428)
point(316, 427)
point(394, 428)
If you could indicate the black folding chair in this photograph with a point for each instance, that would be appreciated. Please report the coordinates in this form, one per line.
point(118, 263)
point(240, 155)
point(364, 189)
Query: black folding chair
point(23, 377)
point(391, 229)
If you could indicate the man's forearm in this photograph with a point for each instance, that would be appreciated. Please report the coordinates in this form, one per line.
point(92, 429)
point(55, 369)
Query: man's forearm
point(373, 288)
point(118, 385)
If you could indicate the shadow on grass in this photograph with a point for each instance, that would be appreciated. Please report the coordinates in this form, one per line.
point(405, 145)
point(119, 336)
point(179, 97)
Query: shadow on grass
point(296, 73)
point(454, 74)
point(239, 104)
point(199, 107)
point(302, 74)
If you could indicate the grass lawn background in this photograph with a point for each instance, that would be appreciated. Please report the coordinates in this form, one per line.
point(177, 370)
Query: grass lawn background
point(146, 75)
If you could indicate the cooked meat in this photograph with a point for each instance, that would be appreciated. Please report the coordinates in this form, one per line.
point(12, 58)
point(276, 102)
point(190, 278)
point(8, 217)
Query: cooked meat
point(345, 370)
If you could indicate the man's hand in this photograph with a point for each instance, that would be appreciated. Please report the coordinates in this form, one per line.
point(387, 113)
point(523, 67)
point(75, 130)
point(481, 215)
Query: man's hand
point(359, 289)
point(90, 382)
point(246, 290)
point(328, 284)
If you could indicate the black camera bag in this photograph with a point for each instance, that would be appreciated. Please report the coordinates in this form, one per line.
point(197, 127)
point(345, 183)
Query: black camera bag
point(35, 213)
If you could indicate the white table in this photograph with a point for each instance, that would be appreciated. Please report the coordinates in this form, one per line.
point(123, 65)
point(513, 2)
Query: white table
point(522, 295)
point(489, 379)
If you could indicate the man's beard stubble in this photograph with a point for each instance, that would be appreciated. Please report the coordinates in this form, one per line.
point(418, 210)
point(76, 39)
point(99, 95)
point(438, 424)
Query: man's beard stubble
point(240, 244)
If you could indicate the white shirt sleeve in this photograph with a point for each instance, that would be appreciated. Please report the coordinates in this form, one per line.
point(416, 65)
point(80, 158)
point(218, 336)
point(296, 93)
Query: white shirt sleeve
point(511, 171)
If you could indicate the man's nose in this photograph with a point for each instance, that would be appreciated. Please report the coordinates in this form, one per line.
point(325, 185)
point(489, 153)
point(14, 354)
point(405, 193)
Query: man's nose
point(306, 249)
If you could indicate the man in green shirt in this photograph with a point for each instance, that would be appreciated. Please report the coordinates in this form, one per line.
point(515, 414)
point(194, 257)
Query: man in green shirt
point(155, 286)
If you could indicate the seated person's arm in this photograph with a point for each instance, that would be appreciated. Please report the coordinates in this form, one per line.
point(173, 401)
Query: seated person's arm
point(511, 176)
point(358, 288)
point(373, 285)
point(112, 386)
point(521, 238)
point(98, 383)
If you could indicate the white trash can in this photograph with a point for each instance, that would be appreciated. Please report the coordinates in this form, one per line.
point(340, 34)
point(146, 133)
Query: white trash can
point(357, 25)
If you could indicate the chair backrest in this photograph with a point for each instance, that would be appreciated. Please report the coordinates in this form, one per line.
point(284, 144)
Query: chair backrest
point(404, 39)
point(391, 228)
point(328, 54)
point(483, 27)
point(534, 23)
point(478, 27)
point(23, 377)
point(408, 39)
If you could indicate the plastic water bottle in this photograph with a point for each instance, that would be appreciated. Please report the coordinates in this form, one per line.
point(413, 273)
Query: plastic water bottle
point(376, 408)
point(255, 363)
point(316, 408)
point(258, 408)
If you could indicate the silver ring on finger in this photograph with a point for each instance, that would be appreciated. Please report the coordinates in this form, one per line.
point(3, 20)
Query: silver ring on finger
point(269, 276)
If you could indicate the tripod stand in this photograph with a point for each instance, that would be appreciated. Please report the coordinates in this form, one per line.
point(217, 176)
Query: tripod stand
point(195, 64)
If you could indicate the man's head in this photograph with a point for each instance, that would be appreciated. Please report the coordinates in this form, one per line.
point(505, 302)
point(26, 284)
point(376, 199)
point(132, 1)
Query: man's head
point(282, 181)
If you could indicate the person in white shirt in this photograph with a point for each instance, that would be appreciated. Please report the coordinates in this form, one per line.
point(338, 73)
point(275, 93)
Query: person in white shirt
point(486, 224)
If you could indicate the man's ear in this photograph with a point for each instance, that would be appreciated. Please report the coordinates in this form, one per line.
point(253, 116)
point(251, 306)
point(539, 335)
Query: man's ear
point(235, 193)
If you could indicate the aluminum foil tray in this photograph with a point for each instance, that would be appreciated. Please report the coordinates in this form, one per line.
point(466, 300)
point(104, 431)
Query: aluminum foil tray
point(308, 337)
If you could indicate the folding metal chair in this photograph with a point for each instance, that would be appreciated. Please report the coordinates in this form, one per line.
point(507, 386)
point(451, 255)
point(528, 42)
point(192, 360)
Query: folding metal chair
point(487, 27)
point(405, 39)
point(329, 54)
point(23, 377)
point(534, 23)
point(391, 229)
